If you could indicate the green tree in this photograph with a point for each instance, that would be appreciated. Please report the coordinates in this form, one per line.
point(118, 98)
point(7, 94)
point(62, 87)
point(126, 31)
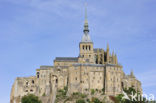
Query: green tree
point(30, 98)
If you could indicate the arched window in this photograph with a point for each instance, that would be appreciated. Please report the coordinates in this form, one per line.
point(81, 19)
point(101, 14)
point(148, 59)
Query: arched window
point(89, 47)
point(86, 47)
point(83, 47)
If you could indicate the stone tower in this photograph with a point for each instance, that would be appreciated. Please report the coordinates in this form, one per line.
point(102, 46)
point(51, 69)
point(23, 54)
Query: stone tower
point(86, 44)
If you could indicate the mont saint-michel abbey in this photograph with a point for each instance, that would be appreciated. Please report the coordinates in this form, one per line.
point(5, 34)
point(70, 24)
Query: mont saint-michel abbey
point(92, 69)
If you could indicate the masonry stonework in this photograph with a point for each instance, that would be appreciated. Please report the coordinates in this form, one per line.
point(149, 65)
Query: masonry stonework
point(93, 68)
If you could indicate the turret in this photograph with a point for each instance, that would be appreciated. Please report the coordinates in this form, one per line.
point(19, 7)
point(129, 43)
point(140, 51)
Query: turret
point(113, 58)
point(132, 74)
point(116, 60)
point(107, 53)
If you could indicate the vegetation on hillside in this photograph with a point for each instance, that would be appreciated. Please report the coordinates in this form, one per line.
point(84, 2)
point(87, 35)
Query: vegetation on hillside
point(130, 95)
point(30, 98)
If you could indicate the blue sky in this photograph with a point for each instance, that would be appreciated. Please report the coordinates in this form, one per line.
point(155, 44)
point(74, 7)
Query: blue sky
point(34, 32)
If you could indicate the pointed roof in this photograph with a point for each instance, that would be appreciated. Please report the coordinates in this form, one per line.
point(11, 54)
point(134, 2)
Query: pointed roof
point(107, 47)
point(86, 37)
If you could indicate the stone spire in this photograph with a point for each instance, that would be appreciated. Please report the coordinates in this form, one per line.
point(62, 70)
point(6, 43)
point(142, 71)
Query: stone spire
point(113, 57)
point(107, 53)
point(86, 37)
point(86, 30)
point(116, 60)
point(107, 47)
point(132, 74)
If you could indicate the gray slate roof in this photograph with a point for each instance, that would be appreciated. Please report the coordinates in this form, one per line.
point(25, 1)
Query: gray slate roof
point(100, 49)
point(72, 59)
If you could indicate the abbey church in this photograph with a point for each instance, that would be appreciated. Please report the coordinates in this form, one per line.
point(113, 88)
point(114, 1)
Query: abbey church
point(92, 69)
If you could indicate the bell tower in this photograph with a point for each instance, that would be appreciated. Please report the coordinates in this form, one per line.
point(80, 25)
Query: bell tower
point(86, 44)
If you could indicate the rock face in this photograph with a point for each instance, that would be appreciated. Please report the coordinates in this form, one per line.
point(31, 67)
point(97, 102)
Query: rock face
point(93, 69)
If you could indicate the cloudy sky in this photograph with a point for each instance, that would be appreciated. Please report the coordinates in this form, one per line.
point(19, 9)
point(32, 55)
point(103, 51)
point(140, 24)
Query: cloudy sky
point(34, 32)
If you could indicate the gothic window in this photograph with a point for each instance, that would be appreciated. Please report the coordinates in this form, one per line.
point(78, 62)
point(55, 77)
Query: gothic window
point(89, 47)
point(83, 47)
point(86, 47)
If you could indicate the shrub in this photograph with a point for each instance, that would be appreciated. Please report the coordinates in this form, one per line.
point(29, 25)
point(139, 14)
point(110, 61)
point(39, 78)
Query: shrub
point(96, 100)
point(80, 101)
point(83, 95)
point(30, 98)
point(92, 91)
point(76, 93)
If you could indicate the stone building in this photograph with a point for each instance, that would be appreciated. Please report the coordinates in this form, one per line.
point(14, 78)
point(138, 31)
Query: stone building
point(93, 68)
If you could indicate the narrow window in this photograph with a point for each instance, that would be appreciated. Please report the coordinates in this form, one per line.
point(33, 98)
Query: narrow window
point(38, 74)
point(89, 47)
point(56, 80)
